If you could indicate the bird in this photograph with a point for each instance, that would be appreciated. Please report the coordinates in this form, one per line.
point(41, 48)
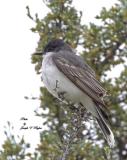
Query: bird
point(69, 78)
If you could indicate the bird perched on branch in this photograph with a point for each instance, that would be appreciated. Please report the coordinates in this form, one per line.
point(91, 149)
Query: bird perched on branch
point(68, 77)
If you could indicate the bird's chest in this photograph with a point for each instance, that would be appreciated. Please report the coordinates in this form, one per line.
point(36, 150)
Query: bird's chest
point(51, 76)
point(56, 82)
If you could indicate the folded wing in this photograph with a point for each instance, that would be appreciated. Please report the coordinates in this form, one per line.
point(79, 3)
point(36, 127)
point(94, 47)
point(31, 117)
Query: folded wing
point(83, 78)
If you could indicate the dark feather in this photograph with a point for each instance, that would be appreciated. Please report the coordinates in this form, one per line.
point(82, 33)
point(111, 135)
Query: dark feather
point(81, 75)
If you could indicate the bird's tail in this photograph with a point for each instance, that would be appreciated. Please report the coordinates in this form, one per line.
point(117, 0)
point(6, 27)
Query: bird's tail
point(102, 120)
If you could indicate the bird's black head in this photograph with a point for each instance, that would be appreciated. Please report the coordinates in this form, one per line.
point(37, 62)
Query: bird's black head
point(55, 46)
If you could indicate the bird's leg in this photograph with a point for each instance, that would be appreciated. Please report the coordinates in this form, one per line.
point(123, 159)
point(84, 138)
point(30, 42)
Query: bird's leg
point(61, 95)
point(73, 107)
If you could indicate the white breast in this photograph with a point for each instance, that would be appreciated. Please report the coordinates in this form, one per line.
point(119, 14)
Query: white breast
point(48, 73)
point(51, 75)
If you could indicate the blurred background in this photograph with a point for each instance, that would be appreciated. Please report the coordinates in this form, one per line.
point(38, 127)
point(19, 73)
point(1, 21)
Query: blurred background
point(33, 124)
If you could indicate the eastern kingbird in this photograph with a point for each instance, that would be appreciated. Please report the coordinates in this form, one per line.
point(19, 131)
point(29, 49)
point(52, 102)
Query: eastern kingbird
point(68, 77)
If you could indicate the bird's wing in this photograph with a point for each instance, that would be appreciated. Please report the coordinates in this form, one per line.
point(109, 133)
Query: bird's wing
point(82, 78)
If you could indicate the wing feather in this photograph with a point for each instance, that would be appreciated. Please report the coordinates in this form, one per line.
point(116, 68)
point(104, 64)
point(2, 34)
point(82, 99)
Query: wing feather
point(82, 78)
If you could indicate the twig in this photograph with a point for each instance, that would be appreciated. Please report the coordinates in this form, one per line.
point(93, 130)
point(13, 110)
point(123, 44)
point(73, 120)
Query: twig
point(75, 131)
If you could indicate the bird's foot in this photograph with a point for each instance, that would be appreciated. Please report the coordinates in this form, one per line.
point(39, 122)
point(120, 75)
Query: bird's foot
point(61, 95)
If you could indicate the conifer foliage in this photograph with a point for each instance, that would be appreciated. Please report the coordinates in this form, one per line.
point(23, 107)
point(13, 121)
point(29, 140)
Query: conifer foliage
point(104, 47)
